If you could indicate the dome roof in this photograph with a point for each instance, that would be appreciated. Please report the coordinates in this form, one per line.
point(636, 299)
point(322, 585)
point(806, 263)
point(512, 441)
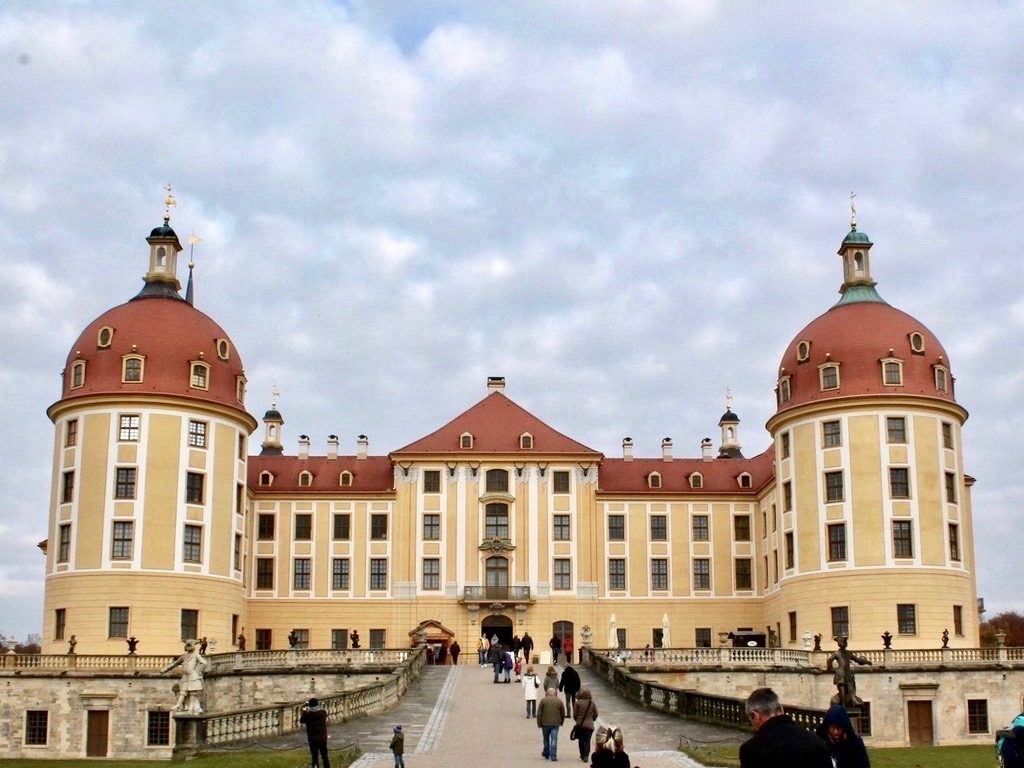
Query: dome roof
point(858, 336)
point(169, 334)
point(853, 237)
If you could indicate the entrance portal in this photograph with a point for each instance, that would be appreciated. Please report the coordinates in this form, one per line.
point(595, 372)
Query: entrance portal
point(499, 625)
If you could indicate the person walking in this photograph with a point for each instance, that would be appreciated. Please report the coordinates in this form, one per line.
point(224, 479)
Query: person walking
point(496, 658)
point(569, 685)
point(517, 645)
point(550, 716)
point(455, 650)
point(584, 714)
point(555, 644)
point(609, 750)
point(550, 678)
point(531, 684)
point(314, 717)
point(567, 648)
point(482, 647)
point(527, 646)
point(397, 747)
point(844, 745)
point(777, 739)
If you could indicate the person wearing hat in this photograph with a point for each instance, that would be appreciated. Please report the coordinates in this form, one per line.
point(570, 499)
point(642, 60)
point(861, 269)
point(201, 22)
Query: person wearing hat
point(398, 747)
point(314, 717)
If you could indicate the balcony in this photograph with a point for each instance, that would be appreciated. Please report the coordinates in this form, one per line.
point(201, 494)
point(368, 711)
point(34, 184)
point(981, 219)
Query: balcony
point(487, 594)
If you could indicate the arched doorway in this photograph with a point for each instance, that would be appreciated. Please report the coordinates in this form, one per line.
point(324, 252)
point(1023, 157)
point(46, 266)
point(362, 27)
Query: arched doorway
point(499, 625)
point(563, 630)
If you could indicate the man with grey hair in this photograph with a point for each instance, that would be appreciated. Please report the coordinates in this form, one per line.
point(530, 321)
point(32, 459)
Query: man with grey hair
point(778, 740)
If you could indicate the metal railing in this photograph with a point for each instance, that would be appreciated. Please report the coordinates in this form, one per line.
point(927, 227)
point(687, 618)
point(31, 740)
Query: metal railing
point(498, 594)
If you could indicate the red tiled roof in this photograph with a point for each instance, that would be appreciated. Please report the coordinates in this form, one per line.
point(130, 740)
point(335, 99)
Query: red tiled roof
point(496, 424)
point(374, 474)
point(719, 475)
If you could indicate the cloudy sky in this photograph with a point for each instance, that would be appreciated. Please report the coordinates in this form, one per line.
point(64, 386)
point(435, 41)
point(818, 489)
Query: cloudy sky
point(625, 208)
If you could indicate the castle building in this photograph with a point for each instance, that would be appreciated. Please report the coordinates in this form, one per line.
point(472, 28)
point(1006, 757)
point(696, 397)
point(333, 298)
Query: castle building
point(855, 521)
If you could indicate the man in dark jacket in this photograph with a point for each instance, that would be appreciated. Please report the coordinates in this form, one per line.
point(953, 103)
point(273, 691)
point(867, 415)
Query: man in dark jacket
point(314, 717)
point(570, 685)
point(779, 741)
point(845, 746)
point(527, 645)
point(550, 716)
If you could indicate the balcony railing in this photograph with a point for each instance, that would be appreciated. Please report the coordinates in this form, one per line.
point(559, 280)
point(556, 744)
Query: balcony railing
point(488, 594)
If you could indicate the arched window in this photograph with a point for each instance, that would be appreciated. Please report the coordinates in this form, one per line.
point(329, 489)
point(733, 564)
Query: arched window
point(892, 372)
point(654, 480)
point(78, 374)
point(466, 441)
point(305, 478)
point(497, 481)
point(696, 480)
point(496, 521)
point(783, 390)
point(266, 478)
point(830, 376)
point(526, 441)
point(200, 377)
point(131, 368)
point(161, 256)
point(345, 479)
point(744, 480)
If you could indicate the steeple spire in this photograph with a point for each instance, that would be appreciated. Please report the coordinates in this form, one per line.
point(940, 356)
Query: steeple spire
point(190, 289)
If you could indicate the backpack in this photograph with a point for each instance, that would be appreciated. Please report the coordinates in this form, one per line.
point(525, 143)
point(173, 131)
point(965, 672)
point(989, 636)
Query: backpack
point(507, 663)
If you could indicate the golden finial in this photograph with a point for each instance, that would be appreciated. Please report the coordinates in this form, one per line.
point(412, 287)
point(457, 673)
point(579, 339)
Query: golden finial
point(274, 394)
point(853, 210)
point(192, 240)
point(169, 202)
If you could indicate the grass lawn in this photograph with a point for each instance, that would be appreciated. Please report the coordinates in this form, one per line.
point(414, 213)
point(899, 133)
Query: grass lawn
point(340, 758)
point(982, 756)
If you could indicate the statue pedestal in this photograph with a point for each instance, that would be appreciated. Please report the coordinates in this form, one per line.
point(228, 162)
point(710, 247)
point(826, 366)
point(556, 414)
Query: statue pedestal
point(189, 735)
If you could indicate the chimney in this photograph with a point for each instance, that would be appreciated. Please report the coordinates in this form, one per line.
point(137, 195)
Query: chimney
point(303, 446)
point(705, 449)
point(361, 445)
point(332, 446)
point(627, 449)
point(666, 449)
point(495, 383)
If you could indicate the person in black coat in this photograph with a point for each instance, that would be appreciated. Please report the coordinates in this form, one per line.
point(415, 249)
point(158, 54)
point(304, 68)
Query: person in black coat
point(527, 646)
point(778, 740)
point(844, 745)
point(570, 685)
point(314, 717)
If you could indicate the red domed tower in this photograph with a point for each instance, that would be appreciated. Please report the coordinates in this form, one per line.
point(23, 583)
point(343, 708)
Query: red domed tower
point(873, 506)
point(147, 523)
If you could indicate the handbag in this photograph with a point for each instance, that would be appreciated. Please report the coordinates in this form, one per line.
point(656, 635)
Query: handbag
point(536, 682)
point(574, 733)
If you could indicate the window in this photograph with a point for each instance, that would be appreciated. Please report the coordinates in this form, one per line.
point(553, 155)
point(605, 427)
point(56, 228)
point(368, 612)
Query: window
point(131, 370)
point(431, 573)
point(339, 639)
point(616, 573)
point(958, 620)
point(339, 573)
point(902, 541)
point(947, 435)
point(36, 727)
point(792, 626)
point(560, 482)
point(834, 486)
point(303, 527)
point(240, 388)
point(200, 375)
point(192, 549)
point(237, 562)
point(916, 343)
point(301, 638)
point(264, 639)
point(741, 527)
point(197, 434)
point(305, 478)
point(562, 530)
point(899, 482)
point(790, 550)
point(700, 528)
point(124, 484)
point(896, 429)
point(78, 375)
point(431, 481)
point(118, 622)
point(64, 543)
point(892, 373)
point(743, 580)
point(378, 573)
point(67, 491)
point(836, 542)
point(803, 351)
point(128, 428)
point(830, 377)
point(977, 716)
point(701, 573)
point(954, 542)
point(189, 624)
point(659, 573)
point(121, 542)
point(832, 434)
point(264, 573)
point(71, 433)
point(496, 481)
point(941, 379)
point(784, 445)
point(431, 527)
point(659, 528)
point(301, 573)
point(378, 527)
point(745, 480)
point(194, 487)
point(616, 528)
point(60, 616)
point(840, 621)
point(342, 527)
point(158, 728)
point(787, 497)
point(496, 521)
point(378, 638)
point(104, 337)
point(466, 441)
point(951, 487)
point(654, 480)
point(265, 527)
point(702, 637)
point(526, 441)
point(345, 478)
point(266, 478)
point(906, 619)
point(696, 480)
point(562, 574)
point(223, 349)
point(783, 390)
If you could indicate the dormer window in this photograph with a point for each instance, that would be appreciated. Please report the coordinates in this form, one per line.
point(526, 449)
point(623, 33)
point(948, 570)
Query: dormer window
point(200, 376)
point(305, 478)
point(654, 480)
point(696, 480)
point(803, 351)
point(892, 372)
point(78, 374)
point(266, 478)
point(466, 441)
point(345, 479)
point(223, 349)
point(240, 389)
point(783, 390)
point(941, 378)
point(526, 441)
point(131, 368)
point(829, 373)
point(744, 480)
point(104, 337)
point(917, 343)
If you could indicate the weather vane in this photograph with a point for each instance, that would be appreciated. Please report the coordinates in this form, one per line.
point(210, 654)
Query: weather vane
point(274, 394)
point(728, 399)
point(853, 210)
point(169, 202)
